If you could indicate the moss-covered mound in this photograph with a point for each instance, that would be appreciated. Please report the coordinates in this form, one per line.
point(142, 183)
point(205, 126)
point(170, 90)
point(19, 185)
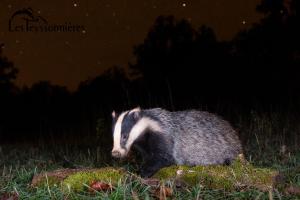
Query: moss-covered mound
point(80, 181)
point(238, 175)
point(53, 177)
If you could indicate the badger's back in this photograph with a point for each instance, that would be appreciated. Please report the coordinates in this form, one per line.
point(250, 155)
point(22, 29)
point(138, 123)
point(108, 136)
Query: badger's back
point(198, 138)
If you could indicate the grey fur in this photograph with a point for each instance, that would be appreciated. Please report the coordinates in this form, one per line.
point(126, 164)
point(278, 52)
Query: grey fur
point(186, 138)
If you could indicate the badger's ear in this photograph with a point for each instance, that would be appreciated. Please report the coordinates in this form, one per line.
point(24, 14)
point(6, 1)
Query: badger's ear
point(113, 114)
point(136, 109)
point(136, 112)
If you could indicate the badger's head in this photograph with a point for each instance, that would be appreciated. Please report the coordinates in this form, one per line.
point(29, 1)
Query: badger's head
point(127, 128)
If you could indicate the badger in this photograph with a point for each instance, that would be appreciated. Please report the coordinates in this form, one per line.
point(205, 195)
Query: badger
point(166, 138)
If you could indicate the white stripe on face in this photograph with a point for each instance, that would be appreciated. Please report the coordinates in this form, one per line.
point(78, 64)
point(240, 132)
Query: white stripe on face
point(117, 134)
point(139, 129)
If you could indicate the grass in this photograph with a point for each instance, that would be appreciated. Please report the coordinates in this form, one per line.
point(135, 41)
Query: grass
point(270, 141)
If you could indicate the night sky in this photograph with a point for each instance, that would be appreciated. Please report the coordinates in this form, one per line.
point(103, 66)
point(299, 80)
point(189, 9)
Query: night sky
point(111, 29)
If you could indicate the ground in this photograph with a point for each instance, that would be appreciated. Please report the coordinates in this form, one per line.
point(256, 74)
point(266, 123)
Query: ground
point(40, 177)
point(270, 170)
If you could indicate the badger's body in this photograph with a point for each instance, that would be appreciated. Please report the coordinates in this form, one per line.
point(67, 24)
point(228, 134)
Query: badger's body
point(183, 137)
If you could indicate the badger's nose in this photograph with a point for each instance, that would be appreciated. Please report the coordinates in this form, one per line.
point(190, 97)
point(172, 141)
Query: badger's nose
point(116, 154)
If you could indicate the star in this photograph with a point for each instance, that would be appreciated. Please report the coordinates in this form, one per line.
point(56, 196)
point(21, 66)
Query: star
point(244, 22)
point(83, 31)
point(9, 6)
point(75, 4)
point(183, 4)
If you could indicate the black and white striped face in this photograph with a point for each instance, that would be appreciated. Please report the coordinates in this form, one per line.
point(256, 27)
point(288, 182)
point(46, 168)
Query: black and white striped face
point(127, 128)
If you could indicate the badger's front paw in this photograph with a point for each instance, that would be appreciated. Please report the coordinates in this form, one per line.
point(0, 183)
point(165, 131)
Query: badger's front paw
point(149, 168)
point(147, 172)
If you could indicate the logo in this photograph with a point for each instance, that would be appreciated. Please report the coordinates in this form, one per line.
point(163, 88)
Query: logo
point(26, 20)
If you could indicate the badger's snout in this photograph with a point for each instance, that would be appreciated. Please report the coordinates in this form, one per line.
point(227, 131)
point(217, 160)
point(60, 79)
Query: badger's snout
point(116, 154)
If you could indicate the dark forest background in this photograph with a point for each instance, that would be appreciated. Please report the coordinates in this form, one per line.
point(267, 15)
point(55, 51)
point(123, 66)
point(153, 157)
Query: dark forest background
point(177, 67)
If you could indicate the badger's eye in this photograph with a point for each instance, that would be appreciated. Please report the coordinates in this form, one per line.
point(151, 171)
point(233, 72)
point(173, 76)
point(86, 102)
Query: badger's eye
point(123, 137)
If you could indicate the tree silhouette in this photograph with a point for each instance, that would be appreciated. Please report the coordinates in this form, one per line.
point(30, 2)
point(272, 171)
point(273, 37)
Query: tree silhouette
point(176, 61)
point(165, 47)
point(7, 89)
point(272, 7)
point(268, 53)
point(104, 93)
point(8, 72)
